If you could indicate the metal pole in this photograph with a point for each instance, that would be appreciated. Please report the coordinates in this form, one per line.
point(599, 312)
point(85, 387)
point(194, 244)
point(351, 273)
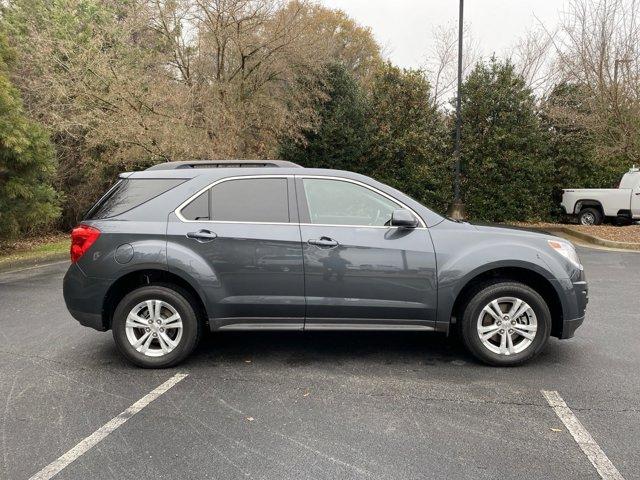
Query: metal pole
point(457, 208)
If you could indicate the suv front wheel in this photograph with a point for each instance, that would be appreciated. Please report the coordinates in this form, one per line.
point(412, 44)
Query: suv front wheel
point(505, 323)
point(156, 326)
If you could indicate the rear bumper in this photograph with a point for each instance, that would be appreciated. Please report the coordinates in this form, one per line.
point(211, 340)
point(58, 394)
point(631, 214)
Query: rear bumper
point(92, 320)
point(84, 297)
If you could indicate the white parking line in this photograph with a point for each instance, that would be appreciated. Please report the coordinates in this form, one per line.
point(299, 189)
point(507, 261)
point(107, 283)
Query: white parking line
point(92, 440)
point(583, 438)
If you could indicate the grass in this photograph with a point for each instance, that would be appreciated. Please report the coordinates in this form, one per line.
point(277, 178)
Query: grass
point(33, 248)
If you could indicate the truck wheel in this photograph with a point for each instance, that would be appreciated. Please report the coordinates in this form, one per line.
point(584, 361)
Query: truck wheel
point(623, 221)
point(156, 326)
point(590, 216)
point(505, 323)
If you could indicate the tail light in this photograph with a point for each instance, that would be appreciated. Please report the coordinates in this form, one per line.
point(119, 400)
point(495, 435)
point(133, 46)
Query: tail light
point(82, 237)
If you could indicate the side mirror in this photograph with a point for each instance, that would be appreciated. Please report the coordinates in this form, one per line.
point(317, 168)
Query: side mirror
point(403, 218)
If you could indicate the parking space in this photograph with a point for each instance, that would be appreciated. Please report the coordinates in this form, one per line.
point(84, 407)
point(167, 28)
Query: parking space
point(321, 405)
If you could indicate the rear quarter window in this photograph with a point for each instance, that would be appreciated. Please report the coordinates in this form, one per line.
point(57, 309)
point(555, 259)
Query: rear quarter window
point(128, 194)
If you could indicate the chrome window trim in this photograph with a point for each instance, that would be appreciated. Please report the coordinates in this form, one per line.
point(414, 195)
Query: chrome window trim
point(178, 210)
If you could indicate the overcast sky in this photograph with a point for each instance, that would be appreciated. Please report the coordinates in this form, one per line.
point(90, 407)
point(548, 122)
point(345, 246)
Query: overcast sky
point(404, 27)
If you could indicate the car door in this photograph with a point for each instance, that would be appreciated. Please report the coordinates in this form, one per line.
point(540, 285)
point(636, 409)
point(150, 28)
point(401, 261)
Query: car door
point(359, 272)
point(240, 241)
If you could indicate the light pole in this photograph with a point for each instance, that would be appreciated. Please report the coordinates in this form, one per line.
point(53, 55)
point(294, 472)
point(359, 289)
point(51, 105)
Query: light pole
point(456, 209)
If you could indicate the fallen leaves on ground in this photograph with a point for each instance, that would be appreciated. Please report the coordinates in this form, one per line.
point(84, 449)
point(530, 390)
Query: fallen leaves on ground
point(24, 244)
point(627, 233)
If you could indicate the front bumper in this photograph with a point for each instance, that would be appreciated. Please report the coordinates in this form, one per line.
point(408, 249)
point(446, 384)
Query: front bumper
point(569, 327)
point(575, 296)
point(84, 297)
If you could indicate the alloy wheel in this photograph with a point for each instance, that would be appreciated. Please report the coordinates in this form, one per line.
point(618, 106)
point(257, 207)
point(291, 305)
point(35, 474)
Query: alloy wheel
point(154, 328)
point(507, 326)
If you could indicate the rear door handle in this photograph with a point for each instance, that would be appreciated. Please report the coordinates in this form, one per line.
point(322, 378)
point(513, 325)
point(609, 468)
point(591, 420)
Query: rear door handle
point(202, 235)
point(323, 242)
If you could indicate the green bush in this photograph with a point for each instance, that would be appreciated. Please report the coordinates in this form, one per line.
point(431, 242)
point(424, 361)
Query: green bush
point(390, 131)
point(507, 172)
point(410, 141)
point(343, 131)
point(27, 163)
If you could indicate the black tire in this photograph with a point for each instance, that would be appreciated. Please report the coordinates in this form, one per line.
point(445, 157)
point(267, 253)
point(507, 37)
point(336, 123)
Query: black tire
point(181, 301)
point(590, 216)
point(623, 221)
point(480, 298)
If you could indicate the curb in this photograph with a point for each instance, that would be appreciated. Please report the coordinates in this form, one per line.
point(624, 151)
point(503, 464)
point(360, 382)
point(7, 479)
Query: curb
point(593, 240)
point(33, 261)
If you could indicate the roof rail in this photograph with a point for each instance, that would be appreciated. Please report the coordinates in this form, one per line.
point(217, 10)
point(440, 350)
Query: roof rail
point(224, 164)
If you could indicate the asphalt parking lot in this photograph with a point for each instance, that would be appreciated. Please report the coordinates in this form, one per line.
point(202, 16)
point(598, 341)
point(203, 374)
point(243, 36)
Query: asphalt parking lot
point(321, 405)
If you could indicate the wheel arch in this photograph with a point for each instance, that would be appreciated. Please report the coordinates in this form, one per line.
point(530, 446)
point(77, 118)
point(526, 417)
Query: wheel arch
point(528, 276)
point(588, 203)
point(140, 278)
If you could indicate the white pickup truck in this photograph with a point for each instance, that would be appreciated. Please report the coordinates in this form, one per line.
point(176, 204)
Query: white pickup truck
point(592, 205)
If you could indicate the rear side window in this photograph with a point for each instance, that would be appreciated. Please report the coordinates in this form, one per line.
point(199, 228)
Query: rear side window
point(128, 194)
point(242, 200)
point(250, 200)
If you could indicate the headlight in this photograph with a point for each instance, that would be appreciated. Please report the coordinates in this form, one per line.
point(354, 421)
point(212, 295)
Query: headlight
point(567, 250)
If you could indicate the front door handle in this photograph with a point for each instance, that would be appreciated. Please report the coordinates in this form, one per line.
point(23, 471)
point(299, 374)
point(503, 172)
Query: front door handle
point(202, 235)
point(323, 242)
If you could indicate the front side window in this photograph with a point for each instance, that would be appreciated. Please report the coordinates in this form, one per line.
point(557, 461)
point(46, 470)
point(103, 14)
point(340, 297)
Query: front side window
point(250, 200)
point(335, 202)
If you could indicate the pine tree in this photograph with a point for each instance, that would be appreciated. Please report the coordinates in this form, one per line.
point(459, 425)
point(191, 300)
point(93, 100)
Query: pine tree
point(565, 114)
point(341, 136)
point(506, 165)
point(409, 145)
point(27, 162)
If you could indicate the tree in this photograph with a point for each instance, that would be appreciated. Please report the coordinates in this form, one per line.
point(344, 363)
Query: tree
point(349, 43)
point(441, 62)
point(27, 199)
point(572, 146)
point(410, 141)
point(392, 132)
point(342, 134)
point(596, 48)
point(507, 170)
point(124, 85)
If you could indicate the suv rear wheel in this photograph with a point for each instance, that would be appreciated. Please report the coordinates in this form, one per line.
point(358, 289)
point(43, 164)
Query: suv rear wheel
point(505, 323)
point(156, 326)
